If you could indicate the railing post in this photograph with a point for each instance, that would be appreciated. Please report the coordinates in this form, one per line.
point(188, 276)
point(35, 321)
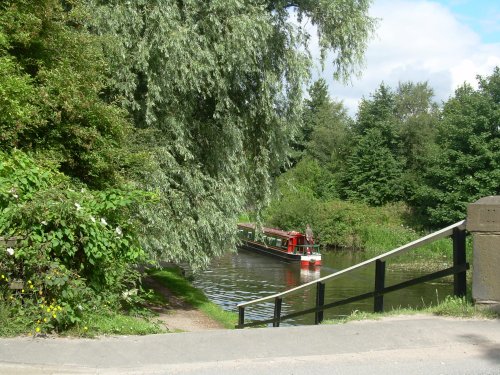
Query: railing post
point(320, 301)
point(241, 316)
point(277, 311)
point(378, 303)
point(459, 258)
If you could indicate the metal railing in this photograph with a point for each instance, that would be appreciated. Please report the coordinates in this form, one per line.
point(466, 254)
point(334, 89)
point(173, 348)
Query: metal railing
point(458, 270)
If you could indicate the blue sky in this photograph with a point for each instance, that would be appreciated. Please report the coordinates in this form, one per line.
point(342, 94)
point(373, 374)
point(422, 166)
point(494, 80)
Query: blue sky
point(442, 42)
point(483, 16)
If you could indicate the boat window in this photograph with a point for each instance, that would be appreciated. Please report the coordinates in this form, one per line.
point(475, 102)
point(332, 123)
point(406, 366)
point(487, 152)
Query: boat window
point(278, 242)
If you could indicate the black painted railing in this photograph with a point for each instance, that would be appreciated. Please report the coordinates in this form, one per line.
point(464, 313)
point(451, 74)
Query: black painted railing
point(458, 270)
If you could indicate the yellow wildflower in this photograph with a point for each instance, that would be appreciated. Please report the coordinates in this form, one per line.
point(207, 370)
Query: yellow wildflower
point(54, 316)
point(85, 328)
point(37, 329)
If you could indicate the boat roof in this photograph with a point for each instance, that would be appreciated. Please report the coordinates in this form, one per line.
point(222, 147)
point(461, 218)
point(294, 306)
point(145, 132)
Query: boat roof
point(273, 231)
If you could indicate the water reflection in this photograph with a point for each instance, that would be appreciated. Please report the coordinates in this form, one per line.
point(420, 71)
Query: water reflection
point(244, 276)
point(309, 274)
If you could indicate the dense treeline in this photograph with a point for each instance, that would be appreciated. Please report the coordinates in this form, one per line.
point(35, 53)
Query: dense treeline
point(63, 191)
point(135, 131)
point(402, 147)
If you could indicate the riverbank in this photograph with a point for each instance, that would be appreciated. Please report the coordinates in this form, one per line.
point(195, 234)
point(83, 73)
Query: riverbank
point(183, 297)
point(170, 304)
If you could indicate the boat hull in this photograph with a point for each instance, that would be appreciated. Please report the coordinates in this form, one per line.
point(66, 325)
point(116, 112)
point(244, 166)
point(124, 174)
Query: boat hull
point(305, 260)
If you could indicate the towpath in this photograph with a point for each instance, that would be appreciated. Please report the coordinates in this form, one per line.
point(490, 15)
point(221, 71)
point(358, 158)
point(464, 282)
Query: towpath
point(406, 345)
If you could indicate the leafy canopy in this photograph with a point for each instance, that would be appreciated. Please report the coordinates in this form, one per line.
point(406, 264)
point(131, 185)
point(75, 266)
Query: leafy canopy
point(217, 88)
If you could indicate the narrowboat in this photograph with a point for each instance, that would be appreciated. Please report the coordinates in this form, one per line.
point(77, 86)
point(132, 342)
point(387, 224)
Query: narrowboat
point(291, 246)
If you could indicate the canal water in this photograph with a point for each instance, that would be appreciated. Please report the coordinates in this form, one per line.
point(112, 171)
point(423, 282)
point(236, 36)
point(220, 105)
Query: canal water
point(244, 276)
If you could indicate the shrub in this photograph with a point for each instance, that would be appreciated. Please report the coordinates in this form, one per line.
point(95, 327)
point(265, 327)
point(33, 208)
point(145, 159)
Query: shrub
point(76, 247)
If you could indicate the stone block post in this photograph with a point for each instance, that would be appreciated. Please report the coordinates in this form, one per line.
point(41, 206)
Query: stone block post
point(483, 222)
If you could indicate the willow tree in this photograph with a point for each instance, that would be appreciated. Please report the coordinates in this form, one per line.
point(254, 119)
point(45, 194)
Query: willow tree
point(214, 89)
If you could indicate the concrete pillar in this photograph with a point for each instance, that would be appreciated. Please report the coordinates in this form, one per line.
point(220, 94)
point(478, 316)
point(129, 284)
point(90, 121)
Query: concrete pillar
point(483, 221)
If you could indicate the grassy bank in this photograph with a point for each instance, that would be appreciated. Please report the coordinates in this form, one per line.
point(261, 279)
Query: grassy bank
point(341, 224)
point(451, 307)
point(173, 279)
point(91, 324)
point(138, 320)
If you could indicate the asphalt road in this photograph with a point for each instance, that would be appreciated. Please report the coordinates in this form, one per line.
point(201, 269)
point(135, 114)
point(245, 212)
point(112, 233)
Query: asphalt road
point(411, 345)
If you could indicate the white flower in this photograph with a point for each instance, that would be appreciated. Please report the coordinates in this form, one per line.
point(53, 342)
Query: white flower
point(103, 221)
point(92, 219)
point(15, 196)
point(118, 231)
point(10, 251)
point(44, 222)
point(78, 207)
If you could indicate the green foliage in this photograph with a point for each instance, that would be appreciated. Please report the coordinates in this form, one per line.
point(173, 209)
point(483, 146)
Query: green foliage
point(373, 174)
point(395, 136)
point(343, 28)
point(52, 76)
point(218, 84)
point(318, 98)
point(341, 224)
point(310, 177)
point(16, 95)
point(357, 226)
point(326, 131)
point(331, 139)
point(467, 167)
point(76, 247)
point(292, 211)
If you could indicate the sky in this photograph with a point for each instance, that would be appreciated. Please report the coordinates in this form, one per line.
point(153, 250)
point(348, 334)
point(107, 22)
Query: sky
point(443, 42)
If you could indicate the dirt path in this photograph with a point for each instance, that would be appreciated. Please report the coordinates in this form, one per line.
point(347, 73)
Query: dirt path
point(179, 316)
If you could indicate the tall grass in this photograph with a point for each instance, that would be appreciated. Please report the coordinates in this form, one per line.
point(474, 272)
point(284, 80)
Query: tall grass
point(12, 325)
point(112, 323)
point(457, 307)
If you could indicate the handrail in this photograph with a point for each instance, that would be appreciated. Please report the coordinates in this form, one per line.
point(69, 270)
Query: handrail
point(445, 232)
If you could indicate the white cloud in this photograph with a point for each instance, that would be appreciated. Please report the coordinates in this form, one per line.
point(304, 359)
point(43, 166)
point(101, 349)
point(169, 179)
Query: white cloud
point(418, 41)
